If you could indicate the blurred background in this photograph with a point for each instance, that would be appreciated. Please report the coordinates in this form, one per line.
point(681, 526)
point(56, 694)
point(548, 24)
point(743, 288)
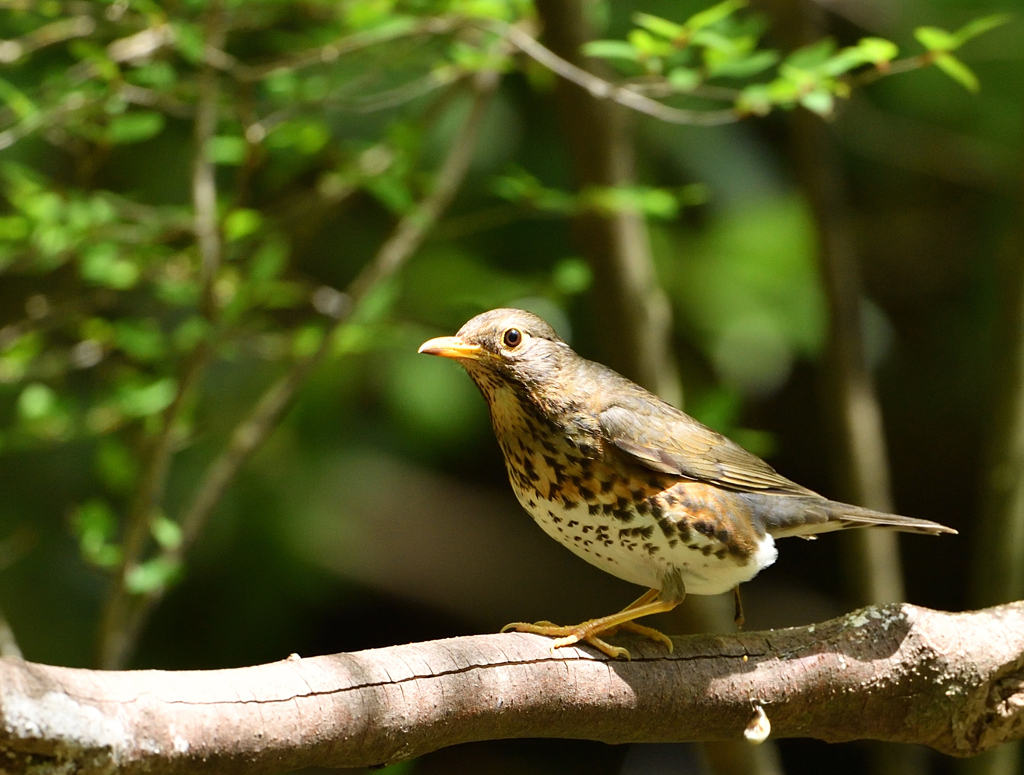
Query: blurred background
point(218, 445)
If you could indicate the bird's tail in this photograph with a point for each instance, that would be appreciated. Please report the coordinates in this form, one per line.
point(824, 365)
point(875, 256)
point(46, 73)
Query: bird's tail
point(807, 516)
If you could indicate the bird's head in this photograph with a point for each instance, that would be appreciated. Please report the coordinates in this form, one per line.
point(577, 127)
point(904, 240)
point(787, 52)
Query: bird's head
point(510, 345)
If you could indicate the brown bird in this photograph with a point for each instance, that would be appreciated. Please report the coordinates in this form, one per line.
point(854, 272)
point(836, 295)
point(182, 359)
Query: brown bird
point(630, 483)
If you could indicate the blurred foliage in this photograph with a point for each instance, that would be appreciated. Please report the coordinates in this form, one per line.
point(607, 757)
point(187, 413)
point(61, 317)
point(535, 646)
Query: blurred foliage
point(121, 335)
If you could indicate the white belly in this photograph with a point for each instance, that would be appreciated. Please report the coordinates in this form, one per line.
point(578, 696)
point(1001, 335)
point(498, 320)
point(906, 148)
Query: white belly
point(640, 552)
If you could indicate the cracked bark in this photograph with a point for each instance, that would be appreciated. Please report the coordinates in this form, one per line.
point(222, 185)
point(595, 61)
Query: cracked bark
point(900, 673)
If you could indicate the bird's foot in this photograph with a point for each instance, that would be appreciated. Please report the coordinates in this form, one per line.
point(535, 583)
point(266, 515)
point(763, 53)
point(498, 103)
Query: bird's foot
point(568, 635)
point(651, 633)
point(649, 603)
point(588, 632)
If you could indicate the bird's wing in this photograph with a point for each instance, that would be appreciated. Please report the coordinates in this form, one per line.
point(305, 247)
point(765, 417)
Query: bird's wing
point(664, 439)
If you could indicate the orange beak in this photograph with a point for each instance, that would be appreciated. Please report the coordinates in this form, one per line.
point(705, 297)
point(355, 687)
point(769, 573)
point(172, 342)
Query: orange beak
point(452, 347)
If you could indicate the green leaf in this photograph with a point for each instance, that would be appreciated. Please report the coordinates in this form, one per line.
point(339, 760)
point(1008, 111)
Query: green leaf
point(146, 399)
point(647, 45)
point(572, 276)
point(98, 329)
point(367, 13)
point(517, 185)
point(134, 127)
point(13, 228)
point(226, 149)
point(744, 67)
point(376, 303)
point(280, 294)
point(352, 338)
point(683, 79)
point(654, 202)
point(755, 99)
point(793, 80)
point(166, 532)
point(102, 264)
point(95, 525)
point(19, 102)
point(241, 223)
point(714, 14)
point(958, 71)
point(311, 137)
point(140, 338)
point(661, 27)
point(715, 41)
point(303, 135)
point(189, 41)
point(307, 341)
point(158, 75)
point(43, 206)
point(190, 333)
point(877, 50)
point(820, 101)
point(152, 575)
point(116, 464)
point(86, 214)
point(269, 260)
point(611, 49)
point(810, 56)
point(36, 401)
point(393, 192)
point(978, 26)
point(935, 39)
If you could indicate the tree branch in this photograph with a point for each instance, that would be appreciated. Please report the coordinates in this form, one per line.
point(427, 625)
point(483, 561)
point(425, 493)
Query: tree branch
point(900, 673)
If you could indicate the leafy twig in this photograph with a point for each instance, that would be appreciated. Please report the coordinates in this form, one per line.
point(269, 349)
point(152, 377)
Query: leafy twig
point(116, 636)
point(252, 431)
point(403, 28)
point(602, 89)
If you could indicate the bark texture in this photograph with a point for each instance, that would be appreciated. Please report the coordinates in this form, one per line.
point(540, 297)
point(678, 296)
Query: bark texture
point(900, 673)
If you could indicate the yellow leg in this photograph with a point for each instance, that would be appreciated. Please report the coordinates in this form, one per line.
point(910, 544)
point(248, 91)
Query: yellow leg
point(738, 611)
point(588, 631)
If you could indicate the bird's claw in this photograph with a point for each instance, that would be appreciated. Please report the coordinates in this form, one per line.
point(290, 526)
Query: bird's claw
point(567, 636)
point(615, 652)
point(651, 633)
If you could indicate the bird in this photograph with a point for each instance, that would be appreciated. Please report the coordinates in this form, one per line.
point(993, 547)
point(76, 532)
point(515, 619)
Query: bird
point(630, 483)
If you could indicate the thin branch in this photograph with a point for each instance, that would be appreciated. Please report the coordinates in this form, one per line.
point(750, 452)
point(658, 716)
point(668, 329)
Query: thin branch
point(602, 89)
point(253, 430)
point(58, 31)
point(900, 673)
point(411, 230)
point(329, 52)
point(892, 68)
point(8, 643)
point(117, 636)
point(407, 92)
point(659, 87)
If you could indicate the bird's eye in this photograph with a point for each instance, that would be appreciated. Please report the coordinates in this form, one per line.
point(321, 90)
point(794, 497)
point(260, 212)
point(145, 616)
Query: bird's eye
point(512, 338)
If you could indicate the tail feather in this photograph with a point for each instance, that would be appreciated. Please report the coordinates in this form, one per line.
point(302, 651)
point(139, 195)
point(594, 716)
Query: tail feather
point(787, 515)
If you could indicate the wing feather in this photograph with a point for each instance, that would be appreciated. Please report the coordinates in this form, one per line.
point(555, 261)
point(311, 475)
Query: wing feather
point(664, 439)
